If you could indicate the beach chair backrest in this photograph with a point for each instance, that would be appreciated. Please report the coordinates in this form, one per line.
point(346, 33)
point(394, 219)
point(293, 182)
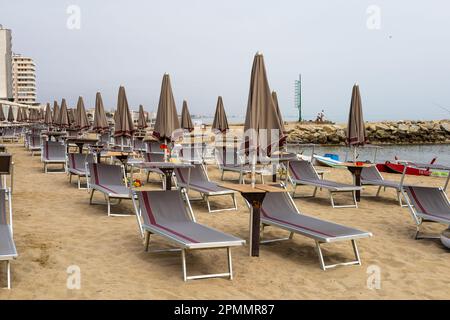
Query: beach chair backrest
point(153, 146)
point(105, 138)
point(154, 157)
point(162, 207)
point(35, 141)
point(192, 153)
point(227, 156)
point(106, 174)
point(53, 150)
point(428, 200)
point(138, 144)
point(303, 170)
point(196, 175)
point(371, 173)
point(5, 163)
point(77, 160)
point(277, 204)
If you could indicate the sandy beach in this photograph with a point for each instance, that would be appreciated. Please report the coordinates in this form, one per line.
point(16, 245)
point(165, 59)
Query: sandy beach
point(55, 227)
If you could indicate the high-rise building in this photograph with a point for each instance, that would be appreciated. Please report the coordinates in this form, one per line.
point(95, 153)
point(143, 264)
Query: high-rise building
point(6, 92)
point(24, 80)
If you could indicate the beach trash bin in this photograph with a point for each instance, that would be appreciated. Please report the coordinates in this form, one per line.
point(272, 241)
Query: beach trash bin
point(332, 156)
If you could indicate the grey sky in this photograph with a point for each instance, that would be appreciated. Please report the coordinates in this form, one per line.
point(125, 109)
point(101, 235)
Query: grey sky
point(403, 69)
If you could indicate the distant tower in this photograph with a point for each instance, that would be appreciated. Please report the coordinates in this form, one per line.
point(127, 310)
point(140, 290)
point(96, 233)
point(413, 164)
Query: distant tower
point(298, 96)
point(5, 64)
point(24, 80)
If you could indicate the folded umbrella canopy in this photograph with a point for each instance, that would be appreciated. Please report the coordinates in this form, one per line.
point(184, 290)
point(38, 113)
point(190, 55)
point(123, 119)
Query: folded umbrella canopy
point(71, 117)
point(100, 122)
point(186, 121)
point(48, 120)
point(356, 130)
point(10, 114)
point(55, 113)
point(166, 122)
point(2, 114)
point(277, 108)
point(63, 119)
point(142, 120)
point(24, 115)
point(81, 120)
point(261, 112)
point(220, 123)
point(19, 114)
point(123, 122)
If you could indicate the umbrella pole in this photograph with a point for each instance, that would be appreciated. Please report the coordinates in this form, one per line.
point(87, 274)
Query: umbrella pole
point(354, 153)
point(165, 150)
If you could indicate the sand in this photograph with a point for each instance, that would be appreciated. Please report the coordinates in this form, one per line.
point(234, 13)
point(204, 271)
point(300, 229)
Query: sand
point(55, 227)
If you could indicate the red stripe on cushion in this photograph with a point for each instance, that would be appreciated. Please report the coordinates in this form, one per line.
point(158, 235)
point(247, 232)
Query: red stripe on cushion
point(153, 220)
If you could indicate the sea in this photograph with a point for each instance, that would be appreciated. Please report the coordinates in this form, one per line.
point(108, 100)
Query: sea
point(423, 153)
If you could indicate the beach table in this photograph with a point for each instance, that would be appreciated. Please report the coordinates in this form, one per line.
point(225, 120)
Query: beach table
point(166, 167)
point(122, 156)
point(255, 197)
point(97, 149)
point(80, 142)
point(356, 168)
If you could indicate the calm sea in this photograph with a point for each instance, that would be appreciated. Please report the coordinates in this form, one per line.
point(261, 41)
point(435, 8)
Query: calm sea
point(419, 153)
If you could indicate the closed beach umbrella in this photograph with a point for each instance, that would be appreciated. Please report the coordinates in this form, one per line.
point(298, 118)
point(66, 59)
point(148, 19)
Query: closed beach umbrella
point(261, 111)
point(186, 121)
point(19, 114)
point(277, 108)
point(55, 112)
point(81, 120)
point(100, 121)
point(220, 123)
point(142, 120)
point(24, 115)
point(48, 120)
point(10, 114)
point(123, 126)
point(356, 130)
point(63, 119)
point(166, 118)
point(71, 117)
point(2, 114)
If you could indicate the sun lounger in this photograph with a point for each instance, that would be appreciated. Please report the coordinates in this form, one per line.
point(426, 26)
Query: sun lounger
point(303, 173)
point(34, 143)
point(6, 169)
point(427, 204)
point(372, 177)
point(9, 134)
point(197, 180)
point(76, 166)
point(153, 146)
point(53, 152)
point(164, 213)
point(8, 250)
point(110, 180)
point(228, 159)
point(279, 210)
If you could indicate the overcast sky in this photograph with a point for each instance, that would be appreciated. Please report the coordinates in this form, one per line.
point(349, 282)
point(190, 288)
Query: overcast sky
point(403, 68)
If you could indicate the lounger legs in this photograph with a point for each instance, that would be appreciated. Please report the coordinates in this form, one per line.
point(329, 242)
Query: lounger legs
point(233, 196)
point(325, 266)
point(228, 274)
point(8, 271)
point(419, 236)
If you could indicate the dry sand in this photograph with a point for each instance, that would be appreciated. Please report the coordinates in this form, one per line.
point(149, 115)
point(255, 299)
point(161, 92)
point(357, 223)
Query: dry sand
point(55, 227)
